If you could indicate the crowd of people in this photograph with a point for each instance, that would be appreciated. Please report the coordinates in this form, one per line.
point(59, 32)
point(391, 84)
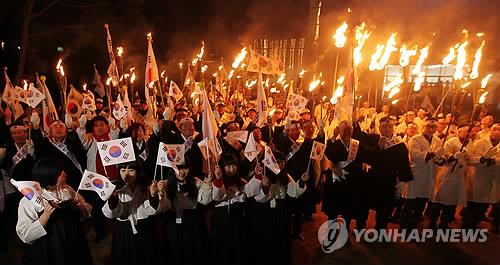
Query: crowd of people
point(233, 209)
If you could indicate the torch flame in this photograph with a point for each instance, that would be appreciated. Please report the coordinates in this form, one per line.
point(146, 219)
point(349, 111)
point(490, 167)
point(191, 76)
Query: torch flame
point(120, 51)
point(281, 79)
point(462, 56)
point(202, 50)
point(339, 35)
point(375, 57)
point(162, 73)
point(423, 55)
point(393, 92)
point(314, 84)
point(151, 84)
point(240, 57)
point(25, 86)
point(132, 78)
point(482, 98)
point(485, 80)
point(337, 94)
point(466, 85)
point(361, 36)
point(230, 75)
point(450, 56)
point(396, 82)
point(250, 83)
point(132, 69)
point(477, 59)
point(404, 60)
point(108, 81)
point(58, 64)
point(180, 65)
point(395, 101)
point(301, 74)
point(84, 86)
point(418, 81)
point(480, 34)
point(204, 68)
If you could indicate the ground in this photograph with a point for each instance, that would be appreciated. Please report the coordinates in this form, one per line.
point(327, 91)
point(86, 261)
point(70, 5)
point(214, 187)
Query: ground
point(309, 251)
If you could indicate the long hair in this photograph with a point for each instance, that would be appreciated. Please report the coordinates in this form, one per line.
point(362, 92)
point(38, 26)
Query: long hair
point(133, 128)
point(189, 186)
point(140, 179)
point(230, 159)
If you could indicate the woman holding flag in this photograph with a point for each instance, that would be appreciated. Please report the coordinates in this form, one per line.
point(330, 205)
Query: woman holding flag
point(50, 227)
point(132, 205)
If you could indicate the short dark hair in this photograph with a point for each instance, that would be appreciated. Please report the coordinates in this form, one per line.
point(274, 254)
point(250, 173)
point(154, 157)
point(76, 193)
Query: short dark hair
point(98, 118)
point(46, 171)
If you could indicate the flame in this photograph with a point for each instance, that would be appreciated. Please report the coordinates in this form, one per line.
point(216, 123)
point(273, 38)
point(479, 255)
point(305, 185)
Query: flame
point(120, 51)
point(349, 10)
point(58, 64)
point(314, 84)
point(202, 51)
point(375, 57)
point(337, 94)
point(477, 59)
point(395, 101)
point(396, 82)
point(108, 81)
point(466, 85)
point(281, 79)
point(126, 75)
point(132, 77)
point(180, 65)
point(273, 90)
point(250, 83)
point(482, 98)
point(393, 92)
point(84, 86)
point(151, 84)
point(485, 80)
point(230, 75)
point(323, 98)
point(266, 84)
point(339, 35)
point(301, 74)
point(149, 35)
point(162, 73)
point(461, 57)
point(204, 68)
point(379, 60)
point(361, 36)
point(240, 57)
point(59, 67)
point(418, 81)
point(132, 69)
point(25, 86)
point(423, 55)
point(451, 55)
point(480, 34)
point(340, 81)
point(404, 60)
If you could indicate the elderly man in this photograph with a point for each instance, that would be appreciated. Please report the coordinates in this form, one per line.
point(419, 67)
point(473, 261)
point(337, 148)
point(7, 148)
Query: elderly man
point(63, 145)
point(20, 153)
point(344, 182)
point(390, 164)
point(425, 151)
point(485, 176)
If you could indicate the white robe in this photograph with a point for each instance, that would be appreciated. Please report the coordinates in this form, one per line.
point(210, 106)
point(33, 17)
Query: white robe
point(422, 185)
point(485, 181)
point(450, 186)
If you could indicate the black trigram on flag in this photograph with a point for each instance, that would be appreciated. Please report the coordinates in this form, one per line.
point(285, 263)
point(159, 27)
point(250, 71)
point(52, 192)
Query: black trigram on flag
point(104, 147)
point(87, 185)
point(123, 143)
point(38, 200)
point(163, 160)
point(125, 156)
point(165, 148)
point(103, 193)
point(107, 159)
point(90, 176)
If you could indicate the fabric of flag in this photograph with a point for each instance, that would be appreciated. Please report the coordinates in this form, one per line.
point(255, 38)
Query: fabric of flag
point(204, 147)
point(33, 96)
point(20, 94)
point(98, 84)
point(74, 103)
point(261, 103)
point(128, 106)
point(209, 125)
point(119, 110)
point(189, 80)
point(317, 151)
point(88, 102)
point(112, 69)
point(48, 108)
point(346, 103)
point(265, 65)
point(175, 91)
point(241, 136)
point(98, 183)
point(270, 162)
point(31, 190)
point(116, 151)
point(8, 96)
point(151, 74)
point(251, 149)
point(297, 103)
point(170, 155)
point(289, 96)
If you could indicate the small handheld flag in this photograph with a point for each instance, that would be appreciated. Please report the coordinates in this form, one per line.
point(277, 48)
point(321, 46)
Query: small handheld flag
point(116, 151)
point(98, 183)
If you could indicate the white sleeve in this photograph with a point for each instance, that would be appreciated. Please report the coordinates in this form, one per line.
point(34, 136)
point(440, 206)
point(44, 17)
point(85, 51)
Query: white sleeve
point(218, 190)
point(253, 187)
point(204, 191)
point(262, 197)
point(81, 134)
point(293, 189)
point(28, 226)
point(150, 210)
point(112, 213)
point(417, 153)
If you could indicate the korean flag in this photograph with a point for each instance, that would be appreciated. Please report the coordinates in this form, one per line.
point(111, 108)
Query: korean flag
point(116, 151)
